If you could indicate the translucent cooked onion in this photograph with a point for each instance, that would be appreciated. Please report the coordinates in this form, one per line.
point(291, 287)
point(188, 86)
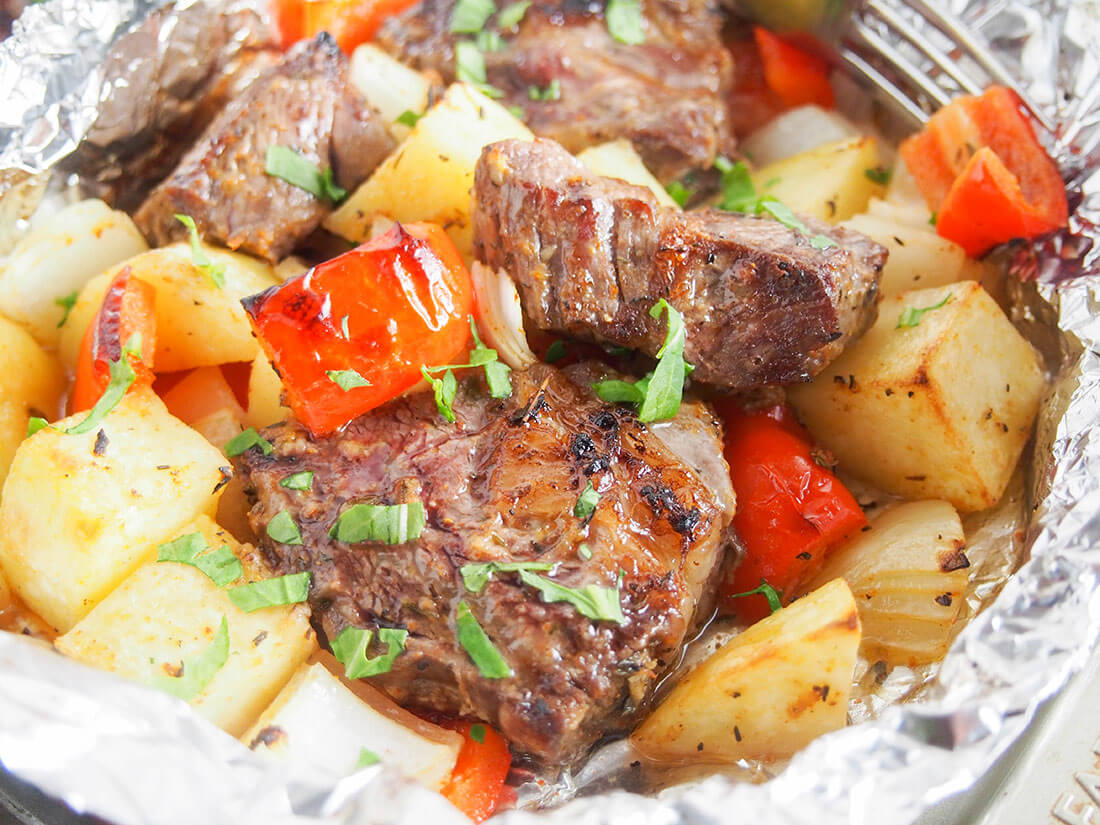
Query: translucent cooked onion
point(499, 316)
point(798, 130)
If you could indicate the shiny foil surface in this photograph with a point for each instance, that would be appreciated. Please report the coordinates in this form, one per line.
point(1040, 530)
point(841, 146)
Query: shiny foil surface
point(139, 757)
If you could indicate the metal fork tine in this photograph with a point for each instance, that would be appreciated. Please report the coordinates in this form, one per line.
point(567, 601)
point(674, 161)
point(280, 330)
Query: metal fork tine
point(894, 56)
point(885, 85)
point(905, 29)
point(958, 34)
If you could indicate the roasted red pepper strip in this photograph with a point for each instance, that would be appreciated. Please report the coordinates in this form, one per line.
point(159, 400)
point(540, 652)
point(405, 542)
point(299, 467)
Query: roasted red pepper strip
point(351, 22)
point(381, 311)
point(476, 786)
point(790, 510)
point(983, 171)
point(129, 308)
point(799, 77)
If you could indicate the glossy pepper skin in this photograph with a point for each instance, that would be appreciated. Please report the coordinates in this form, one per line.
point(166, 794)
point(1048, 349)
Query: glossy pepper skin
point(128, 309)
point(790, 509)
point(476, 786)
point(799, 77)
point(351, 22)
point(383, 310)
point(983, 171)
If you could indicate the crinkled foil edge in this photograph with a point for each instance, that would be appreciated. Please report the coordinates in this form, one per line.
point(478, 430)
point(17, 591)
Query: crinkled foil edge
point(135, 756)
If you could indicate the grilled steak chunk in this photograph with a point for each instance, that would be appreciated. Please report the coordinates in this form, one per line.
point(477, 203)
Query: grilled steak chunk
point(305, 103)
point(590, 256)
point(667, 95)
point(501, 485)
point(168, 79)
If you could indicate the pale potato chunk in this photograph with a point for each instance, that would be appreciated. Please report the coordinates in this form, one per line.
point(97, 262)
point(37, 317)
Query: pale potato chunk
point(265, 395)
point(166, 613)
point(618, 159)
point(31, 383)
point(767, 692)
point(429, 176)
point(321, 724)
point(919, 258)
point(76, 523)
point(939, 410)
point(829, 182)
point(58, 257)
point(198, 324)
point(908, 574)
point(389, 86)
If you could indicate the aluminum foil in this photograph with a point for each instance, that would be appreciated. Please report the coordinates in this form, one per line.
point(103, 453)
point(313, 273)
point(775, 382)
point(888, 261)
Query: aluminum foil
point(135, 756)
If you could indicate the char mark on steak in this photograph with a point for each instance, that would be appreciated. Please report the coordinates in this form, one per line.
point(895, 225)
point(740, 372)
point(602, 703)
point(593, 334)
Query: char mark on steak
point(666, 95)
point(762, 305)
point(500, 485)
point(305, 103)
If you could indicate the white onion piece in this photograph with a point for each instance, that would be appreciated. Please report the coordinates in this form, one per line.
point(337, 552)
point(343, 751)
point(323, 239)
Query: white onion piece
point(796, 131)
point(499, 316)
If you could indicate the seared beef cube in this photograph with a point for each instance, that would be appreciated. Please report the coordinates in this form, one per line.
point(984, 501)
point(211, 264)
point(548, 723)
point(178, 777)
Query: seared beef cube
point(762, 303)
point(666, 95)
point(167, 80)
point(500, 484)
point(304, 103)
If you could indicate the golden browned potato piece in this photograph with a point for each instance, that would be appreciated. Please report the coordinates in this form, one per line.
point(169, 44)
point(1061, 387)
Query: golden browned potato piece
point(829, 182)
point(430, 175)
point(31, 383)
point(936, 401)
point(166, 614)
point(768, 692)
point(198, 324)
point(80, 512)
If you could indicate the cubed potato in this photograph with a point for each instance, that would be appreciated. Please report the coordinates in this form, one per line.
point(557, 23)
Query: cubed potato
point(320, 723)
point(57, 258)
point(618, 159)
point(919, 258)
point(31, 383)
point(265, 395)
point(939, 410)
point(165, 614)
point(767, 692)
point(198, 324)
point(830, 182)
point(77, 519)
point(389, 86)
point(908, 574)
point(430, 175)
point(911, 214)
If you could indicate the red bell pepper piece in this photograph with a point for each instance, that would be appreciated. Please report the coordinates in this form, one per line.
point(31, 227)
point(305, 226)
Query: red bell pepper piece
point(383, 310)
point(351, 22)
point(798, 76)
point(128, 308)
point(983, 171)
point(790, 509)
point(476, 786)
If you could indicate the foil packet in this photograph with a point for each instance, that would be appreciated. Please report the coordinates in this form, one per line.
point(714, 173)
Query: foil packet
point(138, 757)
